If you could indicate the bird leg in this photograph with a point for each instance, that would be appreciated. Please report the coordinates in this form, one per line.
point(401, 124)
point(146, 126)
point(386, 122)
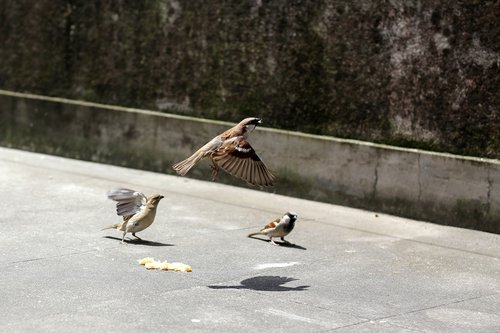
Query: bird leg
point(272, 242)
point(285, 241)
point(123, 237)
point(215, 170)
point(133, 234)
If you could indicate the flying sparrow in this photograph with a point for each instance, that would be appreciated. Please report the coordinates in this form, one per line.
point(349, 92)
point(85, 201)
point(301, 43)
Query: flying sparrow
point(138, 211)
point(280, 227)
point(231, 152)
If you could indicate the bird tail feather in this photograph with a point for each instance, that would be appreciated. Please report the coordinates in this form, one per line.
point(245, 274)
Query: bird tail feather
point(184, 166)
point(113, 226)
point(256, 233)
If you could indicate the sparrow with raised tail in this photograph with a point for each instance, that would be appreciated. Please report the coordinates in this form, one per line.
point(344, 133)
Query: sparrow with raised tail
point(280, 227)
point(231, 152)
point(137, 210)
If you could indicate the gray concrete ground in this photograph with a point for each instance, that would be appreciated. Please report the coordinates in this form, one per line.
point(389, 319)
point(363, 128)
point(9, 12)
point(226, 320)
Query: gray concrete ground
point(349, 271)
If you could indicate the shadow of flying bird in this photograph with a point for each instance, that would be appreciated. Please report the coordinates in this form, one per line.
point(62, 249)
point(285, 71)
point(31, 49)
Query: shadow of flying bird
point(265, 283)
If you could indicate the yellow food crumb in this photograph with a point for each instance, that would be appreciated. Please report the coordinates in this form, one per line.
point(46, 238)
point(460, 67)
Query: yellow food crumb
point(144, 261)
point(174, 266)
point(164, 266)
point(150, 263)
point(153, 265)
point(178, 266)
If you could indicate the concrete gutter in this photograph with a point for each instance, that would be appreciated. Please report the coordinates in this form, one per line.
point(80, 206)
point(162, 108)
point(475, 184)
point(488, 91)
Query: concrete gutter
point(442, 188)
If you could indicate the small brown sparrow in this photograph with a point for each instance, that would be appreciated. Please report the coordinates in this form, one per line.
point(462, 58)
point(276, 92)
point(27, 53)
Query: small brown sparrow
point(232, 152)
point(280, 227)
point(138, 211)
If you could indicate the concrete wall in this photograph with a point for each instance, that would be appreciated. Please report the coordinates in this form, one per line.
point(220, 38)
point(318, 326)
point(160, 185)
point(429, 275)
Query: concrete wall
point(414, 73)
point(442, 188)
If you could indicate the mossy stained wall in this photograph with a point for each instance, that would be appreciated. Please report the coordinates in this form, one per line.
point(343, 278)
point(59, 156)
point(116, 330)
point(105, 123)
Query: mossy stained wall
point(416, 73)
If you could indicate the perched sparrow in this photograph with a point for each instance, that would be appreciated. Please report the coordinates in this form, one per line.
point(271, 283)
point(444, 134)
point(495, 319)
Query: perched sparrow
point(138, 211)
point(280, 227)
point(232, 152)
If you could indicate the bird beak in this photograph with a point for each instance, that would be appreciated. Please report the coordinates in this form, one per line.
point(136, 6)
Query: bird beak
point(259, 120)
point(161, 197)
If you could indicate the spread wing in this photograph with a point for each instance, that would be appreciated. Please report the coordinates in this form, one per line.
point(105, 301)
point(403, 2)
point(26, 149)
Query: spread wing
point(128, 202)
point(239, 159)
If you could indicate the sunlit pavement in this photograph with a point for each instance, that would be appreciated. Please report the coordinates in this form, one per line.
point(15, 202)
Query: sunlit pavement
point(348, 270)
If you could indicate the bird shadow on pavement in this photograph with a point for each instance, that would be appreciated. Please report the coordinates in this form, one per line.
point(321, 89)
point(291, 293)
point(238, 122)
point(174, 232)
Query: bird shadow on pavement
point(265, 283)
point(140, 241)
point(283, 244)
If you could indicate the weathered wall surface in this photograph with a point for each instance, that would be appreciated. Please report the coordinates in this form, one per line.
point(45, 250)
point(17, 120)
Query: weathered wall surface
point(419, 73)
point(441, 188)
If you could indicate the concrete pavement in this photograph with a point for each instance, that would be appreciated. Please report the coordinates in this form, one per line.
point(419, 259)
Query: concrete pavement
point(349, 271)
